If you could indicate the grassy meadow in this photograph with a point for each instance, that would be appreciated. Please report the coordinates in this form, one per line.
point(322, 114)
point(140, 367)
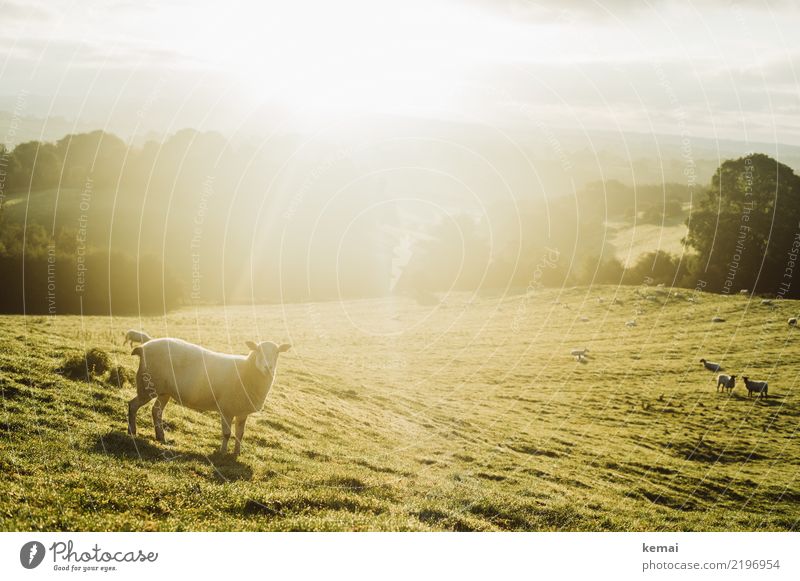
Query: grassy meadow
point(391, 415)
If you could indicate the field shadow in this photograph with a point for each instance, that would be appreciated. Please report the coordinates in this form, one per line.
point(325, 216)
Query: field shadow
point(705, 452)
point(227, 468)
point(122, 445)
point(224, 468)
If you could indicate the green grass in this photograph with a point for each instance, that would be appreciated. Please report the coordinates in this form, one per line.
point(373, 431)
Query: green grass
point(389, 415)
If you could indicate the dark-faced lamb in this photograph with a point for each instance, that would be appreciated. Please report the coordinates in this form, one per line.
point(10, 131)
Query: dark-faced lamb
point(759, 387)
point(726, 382)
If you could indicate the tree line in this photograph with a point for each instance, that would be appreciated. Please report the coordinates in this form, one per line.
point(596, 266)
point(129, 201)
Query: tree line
point(193, 217)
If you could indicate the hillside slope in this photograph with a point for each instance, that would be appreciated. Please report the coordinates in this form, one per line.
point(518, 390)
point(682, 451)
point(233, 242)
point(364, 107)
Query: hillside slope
point(389, 415)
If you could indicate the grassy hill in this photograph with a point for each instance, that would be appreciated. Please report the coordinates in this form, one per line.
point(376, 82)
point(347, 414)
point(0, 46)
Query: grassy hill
point(389, 415)
point(631, 242)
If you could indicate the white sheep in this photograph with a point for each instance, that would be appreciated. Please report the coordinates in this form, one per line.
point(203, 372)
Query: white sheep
point(204, 380)
point(759, 387)
point(717, 319)
point(767, 302)
point(579, 352)
point(744, 291)
point(727, 382)
point(711, 366)
point(792, 321)
point(631, 323)
point(134, 336)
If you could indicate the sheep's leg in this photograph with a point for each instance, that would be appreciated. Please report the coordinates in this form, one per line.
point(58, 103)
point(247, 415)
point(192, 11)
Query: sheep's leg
point(158, 411)
point(133, 407)
point(226, 433)
point(240, 421)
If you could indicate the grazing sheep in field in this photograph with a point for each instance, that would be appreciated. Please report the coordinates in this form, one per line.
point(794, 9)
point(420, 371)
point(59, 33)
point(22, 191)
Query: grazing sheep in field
point(711, 366)
point(744, 291)
point(759, 387)
point(767, 302)
point(134, 336)
point(793, 322)
point(579, 352)
point(727, 382)
point(204, 380)
point(717, 319)
point(631, 323)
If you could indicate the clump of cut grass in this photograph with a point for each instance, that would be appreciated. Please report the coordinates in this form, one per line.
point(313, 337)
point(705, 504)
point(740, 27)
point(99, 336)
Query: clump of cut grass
point(86, 366)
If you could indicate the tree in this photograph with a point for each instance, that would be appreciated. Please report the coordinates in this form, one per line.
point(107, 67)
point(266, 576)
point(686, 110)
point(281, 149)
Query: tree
point(36, 165)
point(745, 229)
point(657, 267)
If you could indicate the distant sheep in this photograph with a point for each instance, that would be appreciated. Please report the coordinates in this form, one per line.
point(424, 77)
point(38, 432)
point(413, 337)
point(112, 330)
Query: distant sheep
point(579, 352)
point(717, 319)
point(711, 366)
point(744, 291)
point(759, 387)
point(204, 380)
point(792, 321)
point(767, 302)
point(583, 319)
point(726, 382)
point(133, 336)
point(631, 323)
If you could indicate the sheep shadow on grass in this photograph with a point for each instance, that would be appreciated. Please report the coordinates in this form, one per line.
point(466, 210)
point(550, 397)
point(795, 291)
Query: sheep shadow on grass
point(770, 400)
point(123, 445)
point(224, 468)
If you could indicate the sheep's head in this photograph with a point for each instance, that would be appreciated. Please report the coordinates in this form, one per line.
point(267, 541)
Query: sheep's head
point(265, 355)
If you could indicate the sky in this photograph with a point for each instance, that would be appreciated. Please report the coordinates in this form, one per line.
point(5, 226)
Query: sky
point(708, 68)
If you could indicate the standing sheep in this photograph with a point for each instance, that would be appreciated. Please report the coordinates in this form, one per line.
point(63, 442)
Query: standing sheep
point(134, 336)
point(204, 380)
point(726, 382)
point(759, 387)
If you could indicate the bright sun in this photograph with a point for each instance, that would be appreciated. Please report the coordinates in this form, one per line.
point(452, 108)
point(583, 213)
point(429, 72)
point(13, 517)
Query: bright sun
point(412, 57)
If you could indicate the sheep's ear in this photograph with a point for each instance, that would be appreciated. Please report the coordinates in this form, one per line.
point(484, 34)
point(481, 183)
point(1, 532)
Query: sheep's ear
point(283, 348)
point(251, 345)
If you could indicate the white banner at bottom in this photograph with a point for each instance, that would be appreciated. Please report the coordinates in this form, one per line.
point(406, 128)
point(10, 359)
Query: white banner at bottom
point(353, 556)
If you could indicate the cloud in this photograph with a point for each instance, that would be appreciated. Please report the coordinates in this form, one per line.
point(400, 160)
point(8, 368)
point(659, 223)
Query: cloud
point(13, 10)
point(612, 10)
